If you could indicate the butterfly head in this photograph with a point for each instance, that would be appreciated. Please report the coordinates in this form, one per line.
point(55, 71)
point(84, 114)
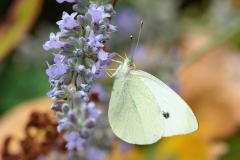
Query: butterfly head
point(128, 62)
point(124, 68)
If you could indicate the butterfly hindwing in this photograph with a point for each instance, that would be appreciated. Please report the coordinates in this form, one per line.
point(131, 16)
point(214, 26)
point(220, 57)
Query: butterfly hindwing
point(178, 117)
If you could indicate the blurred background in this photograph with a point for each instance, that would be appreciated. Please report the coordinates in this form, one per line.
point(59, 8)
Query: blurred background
point(191, 45)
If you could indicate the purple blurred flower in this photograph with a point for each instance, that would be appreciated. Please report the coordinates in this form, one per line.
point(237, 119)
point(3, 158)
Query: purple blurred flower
point(96, 154)
point(93, 113)
point(53, 42)
point(102, 55)
point(70, 1)
point(74, 141)
point(125, 147)
point(97, 13)
point(174, 85)
point(98, 71)
point(59, 59)
point(140, 52)
point(94, 41)
point(127, 21)
point(67, 21)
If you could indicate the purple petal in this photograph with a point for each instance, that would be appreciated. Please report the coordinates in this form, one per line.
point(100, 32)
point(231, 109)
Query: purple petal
point(102, 55)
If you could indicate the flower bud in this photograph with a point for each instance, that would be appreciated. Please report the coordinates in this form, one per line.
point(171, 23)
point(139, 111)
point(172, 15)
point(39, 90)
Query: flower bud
point(71, 63)
point(65, 78)
point(78, 53)
point(90, 123)
point(108, 7)
point(85, 87)
point(79, 8)
point(82, 20)
point(82, 42)
point(89, 62)
point(86, 48)
point(64, 125)
point(102, 29)
point(85, 133)
point(56, 106)
point(80, 80)
point(72, 116)
point(60, 94)
point(68, 47)
point(77, 98)
point(74, 41)
point(65, 108)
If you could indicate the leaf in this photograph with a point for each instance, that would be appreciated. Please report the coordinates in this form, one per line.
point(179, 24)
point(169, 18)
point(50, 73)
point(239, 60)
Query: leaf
point(21, 17)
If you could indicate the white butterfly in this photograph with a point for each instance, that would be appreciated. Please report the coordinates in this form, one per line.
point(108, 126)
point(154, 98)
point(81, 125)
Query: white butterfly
point(143, 109)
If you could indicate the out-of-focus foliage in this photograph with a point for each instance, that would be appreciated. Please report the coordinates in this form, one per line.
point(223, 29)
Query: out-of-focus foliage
point(20, 18)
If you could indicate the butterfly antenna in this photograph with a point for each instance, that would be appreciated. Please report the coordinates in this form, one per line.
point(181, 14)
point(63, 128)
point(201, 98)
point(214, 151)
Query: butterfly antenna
point(125, 53)
point(139, 34)
point(132, 46)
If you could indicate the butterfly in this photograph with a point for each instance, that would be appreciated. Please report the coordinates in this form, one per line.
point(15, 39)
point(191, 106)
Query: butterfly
point(142, 109)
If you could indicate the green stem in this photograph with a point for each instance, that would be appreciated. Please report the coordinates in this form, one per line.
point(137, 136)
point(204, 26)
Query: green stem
point(87, 32)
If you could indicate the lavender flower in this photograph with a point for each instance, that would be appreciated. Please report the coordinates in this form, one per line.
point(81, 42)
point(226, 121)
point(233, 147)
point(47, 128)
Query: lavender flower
point(74, 141)
point(98, 71)
point(94, 41)
point(96, 154)
point(97, 13)
point(102, 55)
point(81, 60)
point(92, 112)
point(67, 21)
point(54, 42)
point(58, 69)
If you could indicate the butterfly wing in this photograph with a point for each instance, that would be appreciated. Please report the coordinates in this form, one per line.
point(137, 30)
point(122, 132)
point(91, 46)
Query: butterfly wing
point(134, 114)
point(179, 117)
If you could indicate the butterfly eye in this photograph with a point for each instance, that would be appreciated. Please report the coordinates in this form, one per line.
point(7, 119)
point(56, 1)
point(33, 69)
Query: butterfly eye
point(166, 115)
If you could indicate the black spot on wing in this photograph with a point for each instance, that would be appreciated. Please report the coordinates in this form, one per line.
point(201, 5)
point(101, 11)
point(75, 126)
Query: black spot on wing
point(166, 115)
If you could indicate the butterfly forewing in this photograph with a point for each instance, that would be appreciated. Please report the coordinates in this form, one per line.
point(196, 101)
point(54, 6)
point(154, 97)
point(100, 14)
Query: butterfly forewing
point(179, 118)
point(134, 114)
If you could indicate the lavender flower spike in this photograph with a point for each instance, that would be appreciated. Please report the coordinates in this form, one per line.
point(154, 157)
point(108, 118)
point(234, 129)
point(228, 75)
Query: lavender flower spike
point(75, 67)
point(97, 13)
